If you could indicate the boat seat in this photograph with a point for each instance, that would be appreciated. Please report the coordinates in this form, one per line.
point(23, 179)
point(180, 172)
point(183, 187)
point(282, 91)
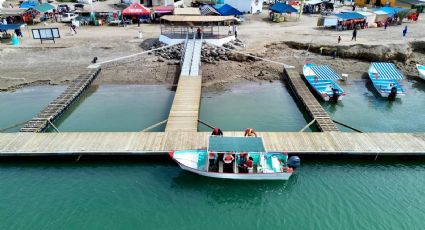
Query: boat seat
point(220, 166)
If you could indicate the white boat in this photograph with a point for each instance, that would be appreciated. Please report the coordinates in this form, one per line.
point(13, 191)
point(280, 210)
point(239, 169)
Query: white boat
point(322, 79)
point(240, 158)
point(385, 77)
point(421, 69)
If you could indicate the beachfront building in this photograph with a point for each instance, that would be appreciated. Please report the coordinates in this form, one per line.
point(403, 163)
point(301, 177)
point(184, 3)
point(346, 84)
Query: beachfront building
point(374, 2)
point(246, 6)
point(215, 29)
point(157, 2)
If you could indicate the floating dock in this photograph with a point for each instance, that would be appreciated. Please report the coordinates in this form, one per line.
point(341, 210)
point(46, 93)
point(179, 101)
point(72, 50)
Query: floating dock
point(40, 122)
point(142, 143)
point(313, 107)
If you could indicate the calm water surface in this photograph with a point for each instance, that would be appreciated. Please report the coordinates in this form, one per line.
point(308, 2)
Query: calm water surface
point(339, 194)
point(118, 108)
point(264, 107)
point(23, 104)
point(363, 109)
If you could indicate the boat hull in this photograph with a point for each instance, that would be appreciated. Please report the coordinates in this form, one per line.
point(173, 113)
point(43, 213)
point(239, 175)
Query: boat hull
point(421, 69)
point(382, 86)
point(321, 87)
point(239, 176)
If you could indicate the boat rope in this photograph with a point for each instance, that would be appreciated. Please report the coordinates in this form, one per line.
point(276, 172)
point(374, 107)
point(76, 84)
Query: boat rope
point(96, 65)
point(206, 124)
point(256, 57)
point(154, 125)
point(13, 126)
point(308, 125)
point(54, 127)
point(347, 126)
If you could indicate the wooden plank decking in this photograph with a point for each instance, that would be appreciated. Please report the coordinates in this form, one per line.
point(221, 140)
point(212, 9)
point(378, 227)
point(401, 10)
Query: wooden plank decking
point(117, 143)
point(316, 111)
point(185, 109)
point(40, 122)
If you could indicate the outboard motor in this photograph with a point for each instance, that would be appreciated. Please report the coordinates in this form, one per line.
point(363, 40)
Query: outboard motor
point(294, 162)
point(335, 95)
point(393, 93)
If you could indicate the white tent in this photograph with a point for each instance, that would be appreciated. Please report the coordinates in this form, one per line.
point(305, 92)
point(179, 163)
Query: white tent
point(380, 16)
point(370, 17)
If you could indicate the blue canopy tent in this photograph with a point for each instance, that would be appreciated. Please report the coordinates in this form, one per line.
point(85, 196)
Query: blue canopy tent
point(227, 10)
point(391, 11)
point(283, 8)
point(324, 72)
point(350, 16)
point(10, 27)
point(387, 71)
point(28, 5)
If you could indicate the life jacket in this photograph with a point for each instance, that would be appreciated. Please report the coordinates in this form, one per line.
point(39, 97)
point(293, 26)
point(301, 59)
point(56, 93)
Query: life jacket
point(228, 158)
point(215, 131)
point(249, 163)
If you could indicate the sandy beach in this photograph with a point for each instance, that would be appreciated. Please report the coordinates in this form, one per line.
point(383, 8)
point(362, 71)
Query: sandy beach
point(57, 63)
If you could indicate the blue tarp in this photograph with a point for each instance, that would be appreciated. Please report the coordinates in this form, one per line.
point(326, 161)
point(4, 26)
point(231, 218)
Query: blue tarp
point(350, 16)
point(10, 26)
point(391, 10)
point(235, 144)
point(227, 10)
point(27, 5)
point(283, 8)
point(324, 72)
point(387, 71)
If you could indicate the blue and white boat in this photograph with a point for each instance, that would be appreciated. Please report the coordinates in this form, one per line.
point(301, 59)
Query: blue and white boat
point(322, 80)
point(385, 77)
point(239, 158)
point(421, 69)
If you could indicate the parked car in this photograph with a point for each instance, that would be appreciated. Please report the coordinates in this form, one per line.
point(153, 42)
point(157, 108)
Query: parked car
point(63, 8)
point(68, 17)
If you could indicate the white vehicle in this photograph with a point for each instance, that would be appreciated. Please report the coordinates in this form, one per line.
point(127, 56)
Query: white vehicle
point(68, 17)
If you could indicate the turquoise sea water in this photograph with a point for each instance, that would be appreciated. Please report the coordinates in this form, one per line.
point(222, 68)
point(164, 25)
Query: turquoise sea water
point(363, 109)
point(325, 194)
point(156, 194)
point(23, 104)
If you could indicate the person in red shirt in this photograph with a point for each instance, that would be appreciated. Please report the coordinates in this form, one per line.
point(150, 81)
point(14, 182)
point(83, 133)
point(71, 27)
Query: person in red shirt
point(249, 132)
point(217, 132)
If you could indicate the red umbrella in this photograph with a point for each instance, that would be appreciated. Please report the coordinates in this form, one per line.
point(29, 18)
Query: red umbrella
point(136, 9)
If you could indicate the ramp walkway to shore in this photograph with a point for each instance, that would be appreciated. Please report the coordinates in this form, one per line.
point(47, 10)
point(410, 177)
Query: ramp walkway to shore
point(42, 120)
point(313, 107)
point(184, 113)
point(133, 143)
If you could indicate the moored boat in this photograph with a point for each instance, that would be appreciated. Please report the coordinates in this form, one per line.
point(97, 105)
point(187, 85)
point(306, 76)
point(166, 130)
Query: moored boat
point(385, 77)
point(322, 80)
point(421, 69)
point(241, 158)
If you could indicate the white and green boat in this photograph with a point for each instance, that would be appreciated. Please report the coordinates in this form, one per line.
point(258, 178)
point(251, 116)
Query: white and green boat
point(241, 158)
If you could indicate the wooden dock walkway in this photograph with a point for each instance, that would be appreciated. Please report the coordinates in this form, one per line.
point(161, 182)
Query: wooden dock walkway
point(184, 113)
point(133, 143)
point(40, 122)
point(316, 111)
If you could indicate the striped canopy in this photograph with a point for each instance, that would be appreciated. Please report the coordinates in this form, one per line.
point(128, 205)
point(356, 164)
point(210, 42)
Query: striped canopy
point(387, 71)
point(324, 72)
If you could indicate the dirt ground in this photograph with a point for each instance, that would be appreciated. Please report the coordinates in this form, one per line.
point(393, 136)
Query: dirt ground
point(56, 63)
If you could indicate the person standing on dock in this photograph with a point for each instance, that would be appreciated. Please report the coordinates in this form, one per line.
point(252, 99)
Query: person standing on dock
point(217, 132)
point(249, 132)
point(354, 35)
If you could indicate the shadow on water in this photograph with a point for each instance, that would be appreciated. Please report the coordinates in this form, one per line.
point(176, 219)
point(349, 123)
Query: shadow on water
point(68, 112)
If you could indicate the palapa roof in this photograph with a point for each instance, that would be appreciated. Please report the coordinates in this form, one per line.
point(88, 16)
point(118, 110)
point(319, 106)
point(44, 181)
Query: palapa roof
point(190, 18)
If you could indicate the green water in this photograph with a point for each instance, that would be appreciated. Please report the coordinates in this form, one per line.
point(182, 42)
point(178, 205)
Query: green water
point(24, 104)
point(263, 107)
point(339, 194)
point(363, 109)
point(118, 108)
